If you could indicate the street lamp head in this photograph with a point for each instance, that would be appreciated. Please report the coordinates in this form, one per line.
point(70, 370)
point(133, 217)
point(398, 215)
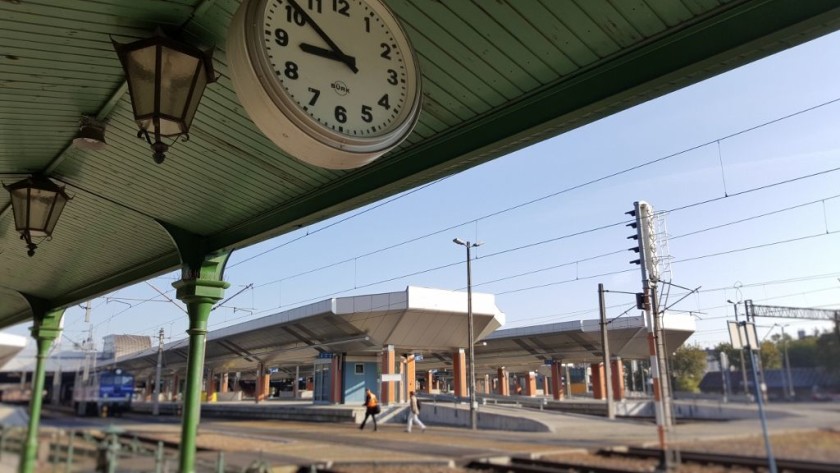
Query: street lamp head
point(459, 241)
point(478, 243)
point(730, 301)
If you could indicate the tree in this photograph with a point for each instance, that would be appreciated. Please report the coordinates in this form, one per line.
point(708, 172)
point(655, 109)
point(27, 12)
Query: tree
point(687, 367)
point(828, 352)
point(803, 352)
point(771, 357)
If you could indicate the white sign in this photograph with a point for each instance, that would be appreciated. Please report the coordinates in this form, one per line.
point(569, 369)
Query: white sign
point(386, 378)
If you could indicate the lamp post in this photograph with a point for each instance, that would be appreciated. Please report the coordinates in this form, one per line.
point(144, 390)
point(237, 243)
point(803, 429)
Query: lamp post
point(470, 334)
point(791, 394)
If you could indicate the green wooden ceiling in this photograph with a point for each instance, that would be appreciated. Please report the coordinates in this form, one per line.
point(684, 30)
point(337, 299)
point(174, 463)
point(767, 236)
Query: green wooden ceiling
point(498, 75)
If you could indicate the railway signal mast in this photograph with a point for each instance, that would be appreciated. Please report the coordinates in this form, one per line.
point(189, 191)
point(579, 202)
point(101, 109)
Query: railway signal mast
point(645, 225)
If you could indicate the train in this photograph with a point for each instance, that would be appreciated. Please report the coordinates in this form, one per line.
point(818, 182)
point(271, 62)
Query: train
point(103, 393)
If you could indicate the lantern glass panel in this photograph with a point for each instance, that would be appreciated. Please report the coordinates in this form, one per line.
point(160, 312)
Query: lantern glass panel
point(40, 210)
point(200, 85)
point(177, 73)
point(19, 204)
point(58, 207)
point(141, 79)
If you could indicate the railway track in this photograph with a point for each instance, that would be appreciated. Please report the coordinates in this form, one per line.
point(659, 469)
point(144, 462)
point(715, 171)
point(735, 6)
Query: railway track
point(526, 465)
point(754, 463)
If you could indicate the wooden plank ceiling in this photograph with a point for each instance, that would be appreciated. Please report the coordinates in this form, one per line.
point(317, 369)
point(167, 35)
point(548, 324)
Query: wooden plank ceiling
point(497, 75)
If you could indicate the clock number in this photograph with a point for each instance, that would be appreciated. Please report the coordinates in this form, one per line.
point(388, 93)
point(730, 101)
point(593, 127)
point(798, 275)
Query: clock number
point(386, 51)
point(315, 5)
point(384, 102)
point(367, 24)
point(294, 16)
point(291, 70)
point(315, 94)
point(281, 37)
point(341, 6)
point(366, 114)
point(340, 114)
point(392, 77)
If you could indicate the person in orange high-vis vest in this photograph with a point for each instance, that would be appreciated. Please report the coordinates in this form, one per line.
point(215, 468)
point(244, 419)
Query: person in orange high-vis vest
point(371, 409)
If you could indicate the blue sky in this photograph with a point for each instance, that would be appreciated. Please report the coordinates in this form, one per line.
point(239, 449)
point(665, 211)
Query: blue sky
point(712, 133)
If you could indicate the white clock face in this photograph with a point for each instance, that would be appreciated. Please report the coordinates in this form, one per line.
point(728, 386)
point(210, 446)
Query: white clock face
point(341, 64)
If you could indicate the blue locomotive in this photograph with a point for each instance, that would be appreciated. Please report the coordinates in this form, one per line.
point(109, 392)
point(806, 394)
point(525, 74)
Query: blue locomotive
point(106, 393)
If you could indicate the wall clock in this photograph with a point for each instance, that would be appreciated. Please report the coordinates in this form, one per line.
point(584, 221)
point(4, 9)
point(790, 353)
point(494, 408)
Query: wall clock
point(334, 83)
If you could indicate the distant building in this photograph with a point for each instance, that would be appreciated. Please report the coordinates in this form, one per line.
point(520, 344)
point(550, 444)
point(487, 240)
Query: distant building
point(116, 347)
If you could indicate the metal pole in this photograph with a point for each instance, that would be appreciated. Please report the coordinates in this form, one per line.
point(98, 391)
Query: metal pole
point(199, 312)
point(30, 451)
point(605, 345)
point(771, 460)
point(156, 395)
point(471, 336)
point(791, 391)
point(743, 361)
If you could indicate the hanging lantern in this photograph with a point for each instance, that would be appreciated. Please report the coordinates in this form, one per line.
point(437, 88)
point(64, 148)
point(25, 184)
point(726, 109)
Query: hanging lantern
point(37, 203)
point(166, 79)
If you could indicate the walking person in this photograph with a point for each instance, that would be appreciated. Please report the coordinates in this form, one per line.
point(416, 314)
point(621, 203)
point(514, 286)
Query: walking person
point(371, 409)
point(414, 413)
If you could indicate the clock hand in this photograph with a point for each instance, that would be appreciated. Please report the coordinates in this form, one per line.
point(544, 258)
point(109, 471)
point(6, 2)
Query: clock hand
point(329, 54)
point(350, 61)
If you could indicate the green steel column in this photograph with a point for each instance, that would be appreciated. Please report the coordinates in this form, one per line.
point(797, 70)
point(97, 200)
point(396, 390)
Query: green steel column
point(199, 289)
point(45, 330)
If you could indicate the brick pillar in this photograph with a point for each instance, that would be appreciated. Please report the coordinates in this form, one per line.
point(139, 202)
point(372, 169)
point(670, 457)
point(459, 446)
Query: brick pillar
point(530, 384)
point(258, 384)
point(598, 388)
point(557, 380)
point(410, 374)
point(503, 387)
point(546, 392)
point(459, 373)
point(223, 386)
point(617, 379)
point(386, 394)
point(336, 381)
point(430, 381)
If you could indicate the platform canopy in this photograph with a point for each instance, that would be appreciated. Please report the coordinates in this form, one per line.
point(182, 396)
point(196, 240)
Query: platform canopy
point(496, 76)
point(415, 320)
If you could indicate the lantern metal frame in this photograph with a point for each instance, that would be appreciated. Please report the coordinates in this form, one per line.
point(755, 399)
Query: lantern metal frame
point(204, 65)
point(25, 228)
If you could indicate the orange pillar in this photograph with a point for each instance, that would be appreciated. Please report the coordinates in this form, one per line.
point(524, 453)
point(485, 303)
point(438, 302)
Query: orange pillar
point(410, 374)
point(503, 387)
point(545, 385)
point(223, 387)
point(266, 385)
point(531, 384)
point(459, 373)
point(175, 387)
point(617, 379)
point(487, 389)
point(211, 384)
point(597, 379)
point(386, 394)
point(430, 381)
point(557, 385)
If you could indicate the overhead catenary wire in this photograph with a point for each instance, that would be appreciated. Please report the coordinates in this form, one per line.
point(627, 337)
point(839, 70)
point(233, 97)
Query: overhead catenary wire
point(542, 198)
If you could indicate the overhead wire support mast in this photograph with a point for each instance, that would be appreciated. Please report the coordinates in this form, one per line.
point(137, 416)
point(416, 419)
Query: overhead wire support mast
point(785, 312)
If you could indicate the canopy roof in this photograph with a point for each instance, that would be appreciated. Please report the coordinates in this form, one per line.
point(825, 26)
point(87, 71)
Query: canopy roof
point(497, 76)
point(417, 319)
